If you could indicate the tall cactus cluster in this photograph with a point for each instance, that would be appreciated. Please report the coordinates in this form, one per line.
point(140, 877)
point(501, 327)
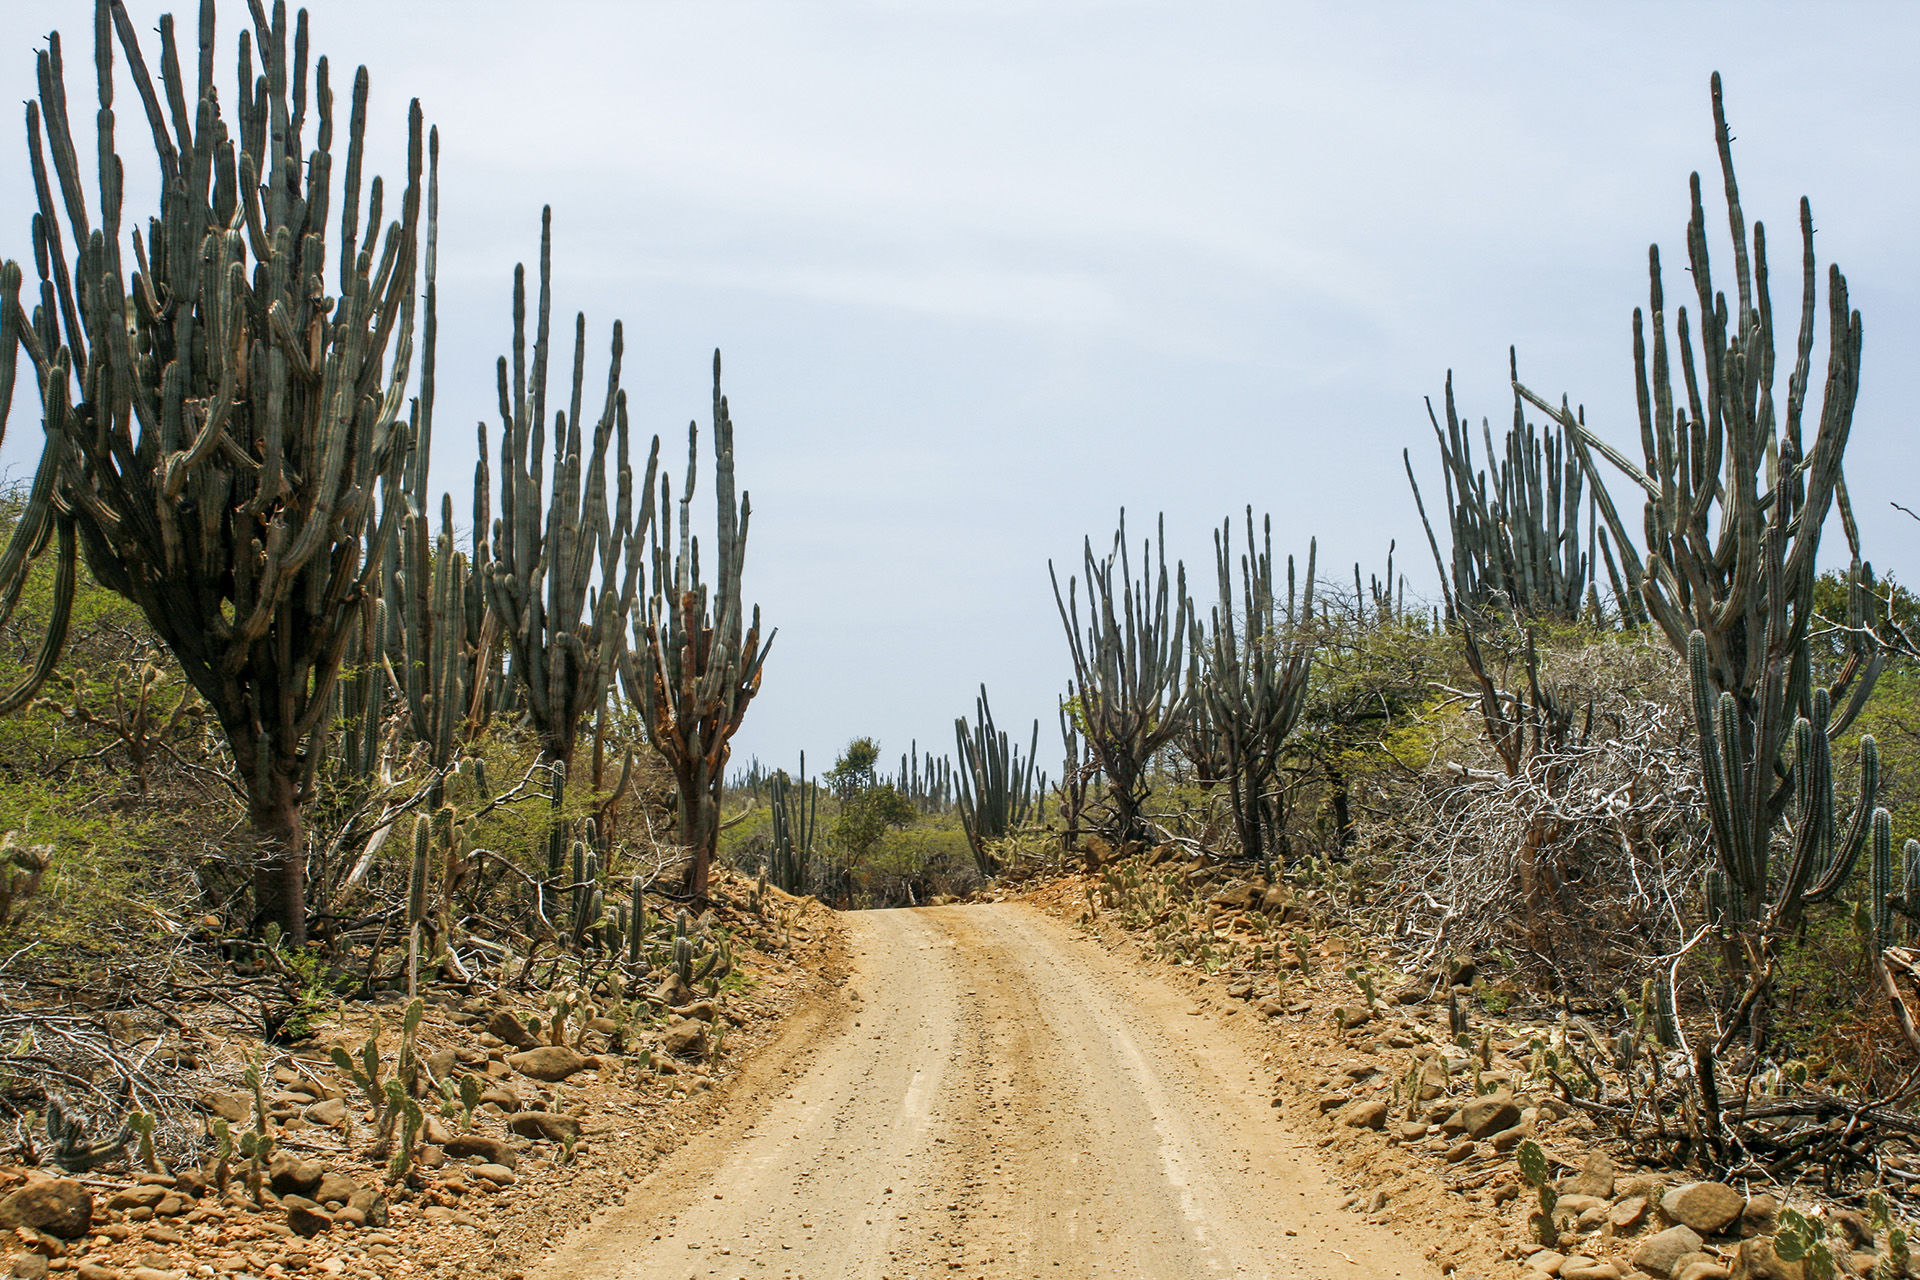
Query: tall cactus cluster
point(1737, 498)
point(229, 442)
point(795, 804)
point(1230, 707)
point(1515, 536)
point(434, 618)
point(927, 781)
point(1515, 560)
point(997, 789)
point(1250, 680)
point(1127, 686)
point(222, 411)
point(554, 538)
point(443, 634)
point(696, 659)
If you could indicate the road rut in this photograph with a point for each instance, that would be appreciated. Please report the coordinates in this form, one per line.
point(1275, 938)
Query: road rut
point(1000, 1101)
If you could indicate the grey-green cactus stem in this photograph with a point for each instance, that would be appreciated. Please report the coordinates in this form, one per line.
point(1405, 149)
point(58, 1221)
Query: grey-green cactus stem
point(1822, 854)
point(442, 637)
point(996, 785)
point(794, 804)
point(37, 519)
point(229, 457)
point(1252, 679)
point(552, 540)
point(1880, 877)
point(1515, 535)
point(1076, 769)
point(1127, 670)
point(695, 661)
point(417, 872)
point(1909, 896)
point(360, 697)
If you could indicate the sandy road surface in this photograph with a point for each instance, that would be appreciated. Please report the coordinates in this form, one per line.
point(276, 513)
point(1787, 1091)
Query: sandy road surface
point(1002, 1101)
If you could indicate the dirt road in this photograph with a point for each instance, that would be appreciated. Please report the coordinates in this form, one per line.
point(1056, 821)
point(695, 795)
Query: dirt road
point(1001, 1101)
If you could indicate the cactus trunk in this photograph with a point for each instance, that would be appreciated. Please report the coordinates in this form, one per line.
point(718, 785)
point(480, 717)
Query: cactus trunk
point(280, 866)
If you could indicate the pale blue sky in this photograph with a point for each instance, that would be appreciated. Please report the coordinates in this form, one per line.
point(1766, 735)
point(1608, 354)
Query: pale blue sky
point(985, 272)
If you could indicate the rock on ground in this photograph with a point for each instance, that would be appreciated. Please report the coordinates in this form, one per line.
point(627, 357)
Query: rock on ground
point(550, 1063)
point(545, 1126)
point(1707, 1207)
point(57, 1206)
point(1659, 1252)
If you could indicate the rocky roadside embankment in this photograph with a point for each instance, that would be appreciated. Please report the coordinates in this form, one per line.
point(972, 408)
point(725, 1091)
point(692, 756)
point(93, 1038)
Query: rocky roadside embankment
point(1428, 1129)
point(559, 1131)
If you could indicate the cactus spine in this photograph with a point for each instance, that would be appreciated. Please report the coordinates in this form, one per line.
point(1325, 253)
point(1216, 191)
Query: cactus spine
point(696, 660)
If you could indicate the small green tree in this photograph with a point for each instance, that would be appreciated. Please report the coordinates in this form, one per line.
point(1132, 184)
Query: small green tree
point(867, 816)
point(853, 773)
point(869, 808)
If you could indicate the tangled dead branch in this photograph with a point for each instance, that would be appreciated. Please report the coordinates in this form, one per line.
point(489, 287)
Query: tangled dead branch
point(1605, 824)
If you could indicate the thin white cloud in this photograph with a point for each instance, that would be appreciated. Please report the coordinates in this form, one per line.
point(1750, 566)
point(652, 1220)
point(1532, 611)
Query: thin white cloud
point(985, 271)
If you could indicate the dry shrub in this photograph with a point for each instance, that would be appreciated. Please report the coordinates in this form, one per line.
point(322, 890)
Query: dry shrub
point(1613, 817)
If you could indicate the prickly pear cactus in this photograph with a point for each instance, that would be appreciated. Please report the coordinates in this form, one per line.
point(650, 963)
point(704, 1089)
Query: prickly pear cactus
point(1533, 1167)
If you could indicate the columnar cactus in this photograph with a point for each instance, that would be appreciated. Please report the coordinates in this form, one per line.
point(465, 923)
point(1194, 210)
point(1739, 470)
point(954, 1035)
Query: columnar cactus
point(1880, 873)
point(996, 786)
point(1515, 545)
point(1822, 855)
point(589, 901)
point(696, 660)
point(223, 430)
point(1736, 501)
point(795, 803)
point(442, 638)
point(1127, 672)
point(550, 542)
point(417, 871)
point(359, 697)
point(442, 635)
point(1252, 686)
point(1076, 770)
